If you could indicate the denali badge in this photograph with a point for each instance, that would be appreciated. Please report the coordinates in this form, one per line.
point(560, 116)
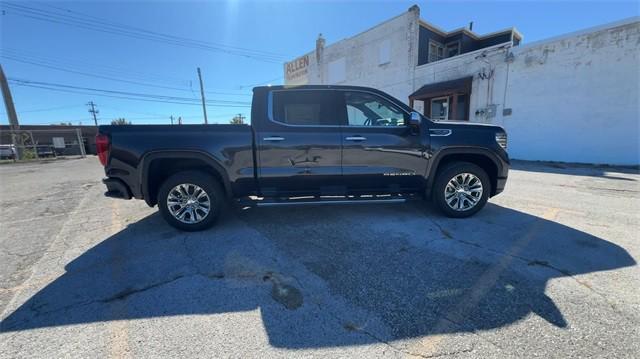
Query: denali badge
point(411, 173)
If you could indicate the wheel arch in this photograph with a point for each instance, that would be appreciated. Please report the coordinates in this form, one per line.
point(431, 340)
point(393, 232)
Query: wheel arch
point(481, 157)
point(157, 166)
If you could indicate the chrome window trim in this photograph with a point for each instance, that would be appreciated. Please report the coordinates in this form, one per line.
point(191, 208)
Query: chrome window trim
point(272, 119)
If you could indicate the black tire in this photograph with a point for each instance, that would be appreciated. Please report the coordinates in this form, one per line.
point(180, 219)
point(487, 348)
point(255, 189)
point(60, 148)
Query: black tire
point(446, 174)
point(207, 183)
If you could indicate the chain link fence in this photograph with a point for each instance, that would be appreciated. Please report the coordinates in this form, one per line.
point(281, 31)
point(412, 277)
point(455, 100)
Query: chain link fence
point(24, 145)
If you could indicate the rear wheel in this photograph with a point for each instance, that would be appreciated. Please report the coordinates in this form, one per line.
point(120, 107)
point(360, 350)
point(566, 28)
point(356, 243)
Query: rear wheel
point(190, 200)
point(461, 189)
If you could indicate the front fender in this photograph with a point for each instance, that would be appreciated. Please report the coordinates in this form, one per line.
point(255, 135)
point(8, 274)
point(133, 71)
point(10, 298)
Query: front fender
point(502, 164)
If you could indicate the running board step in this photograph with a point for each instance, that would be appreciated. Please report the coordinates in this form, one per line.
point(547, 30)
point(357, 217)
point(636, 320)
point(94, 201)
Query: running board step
point(301, 201)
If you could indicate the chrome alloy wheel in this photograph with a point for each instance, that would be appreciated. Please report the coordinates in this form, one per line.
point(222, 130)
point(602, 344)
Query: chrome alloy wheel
point(463, 192)
point(188, 203)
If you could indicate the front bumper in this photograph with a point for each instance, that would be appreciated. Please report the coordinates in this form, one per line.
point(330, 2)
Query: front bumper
point(500, 184)
point(116, 188)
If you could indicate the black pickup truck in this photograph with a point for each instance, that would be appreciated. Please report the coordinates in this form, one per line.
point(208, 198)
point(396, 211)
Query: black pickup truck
point(308, 144)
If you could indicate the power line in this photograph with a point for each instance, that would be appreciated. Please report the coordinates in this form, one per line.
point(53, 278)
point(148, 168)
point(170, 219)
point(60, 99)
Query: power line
point(95, 92)
point(136, 112)
point(138, 33)
point(126, 93)
point(9, 57)
point(122, 25)
point(50, 109)
point(262, 83)
point(86, 65)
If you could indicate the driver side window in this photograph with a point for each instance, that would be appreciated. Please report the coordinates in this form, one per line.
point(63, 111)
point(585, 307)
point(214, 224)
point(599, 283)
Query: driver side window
point(365, 109)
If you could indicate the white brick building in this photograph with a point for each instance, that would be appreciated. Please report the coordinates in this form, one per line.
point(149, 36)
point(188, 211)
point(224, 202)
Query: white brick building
point(573, 98)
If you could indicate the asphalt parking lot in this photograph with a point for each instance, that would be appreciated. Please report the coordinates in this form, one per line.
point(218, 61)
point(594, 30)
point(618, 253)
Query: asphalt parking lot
point(548, 268)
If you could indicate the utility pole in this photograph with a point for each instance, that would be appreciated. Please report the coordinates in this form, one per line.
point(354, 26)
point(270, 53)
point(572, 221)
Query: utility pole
point(204, 107)
point(93, 111)
point(11, 113)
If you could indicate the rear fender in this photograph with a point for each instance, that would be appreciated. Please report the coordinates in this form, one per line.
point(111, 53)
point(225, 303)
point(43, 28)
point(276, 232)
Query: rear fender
point(212, 163)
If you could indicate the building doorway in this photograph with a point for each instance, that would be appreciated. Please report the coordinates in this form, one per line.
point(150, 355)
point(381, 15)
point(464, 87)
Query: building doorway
point(440, 108)
point(444, 101)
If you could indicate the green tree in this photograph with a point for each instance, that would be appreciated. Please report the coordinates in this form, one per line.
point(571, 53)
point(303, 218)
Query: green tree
point(237, 120)
point(120, 121)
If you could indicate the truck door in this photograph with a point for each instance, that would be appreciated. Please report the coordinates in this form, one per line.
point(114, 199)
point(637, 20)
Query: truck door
point(299, 144)
point(381, 153)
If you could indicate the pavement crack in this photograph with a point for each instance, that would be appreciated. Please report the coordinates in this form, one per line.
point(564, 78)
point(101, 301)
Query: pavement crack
point(443, 231)
point(22, 255)
point(352, 327)
point(124, 294)
point(187, 252)
point(38, 311)
point(546, 264)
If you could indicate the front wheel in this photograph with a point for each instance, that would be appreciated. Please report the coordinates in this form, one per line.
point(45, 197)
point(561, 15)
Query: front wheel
point(461, 189)
point(190, 200)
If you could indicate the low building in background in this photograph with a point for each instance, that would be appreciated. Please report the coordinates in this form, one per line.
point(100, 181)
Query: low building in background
point(572, 98)
point(61, 140)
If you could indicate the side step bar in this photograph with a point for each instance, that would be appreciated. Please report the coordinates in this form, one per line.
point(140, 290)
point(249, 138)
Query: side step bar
point(317, 202)
point(303, 201)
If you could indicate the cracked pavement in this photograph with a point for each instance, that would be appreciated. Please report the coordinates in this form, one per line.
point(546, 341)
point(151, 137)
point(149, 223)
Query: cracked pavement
point(548, 268)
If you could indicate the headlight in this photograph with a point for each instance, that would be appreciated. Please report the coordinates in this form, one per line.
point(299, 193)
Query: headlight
point(501, 139)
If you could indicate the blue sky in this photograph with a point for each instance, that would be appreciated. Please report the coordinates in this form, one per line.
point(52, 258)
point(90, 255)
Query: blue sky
point(267, 31)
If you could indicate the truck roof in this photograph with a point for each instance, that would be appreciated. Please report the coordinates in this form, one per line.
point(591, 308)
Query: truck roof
point(315, 87)
point(264, 89)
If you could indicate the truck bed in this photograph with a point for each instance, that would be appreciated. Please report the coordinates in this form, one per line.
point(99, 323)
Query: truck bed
point(134, 149)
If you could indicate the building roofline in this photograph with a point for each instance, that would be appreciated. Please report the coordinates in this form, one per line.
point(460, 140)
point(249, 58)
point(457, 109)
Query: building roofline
point(474, 53)
point(358, 34)
point(469, 32)
point(609, 25)
point(365, 31)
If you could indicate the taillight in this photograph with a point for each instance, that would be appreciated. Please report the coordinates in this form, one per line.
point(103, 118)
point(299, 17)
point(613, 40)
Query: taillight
point(102, 146)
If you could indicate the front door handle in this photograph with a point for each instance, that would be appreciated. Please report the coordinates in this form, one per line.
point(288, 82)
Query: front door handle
point(355, 138)
point(273, 138)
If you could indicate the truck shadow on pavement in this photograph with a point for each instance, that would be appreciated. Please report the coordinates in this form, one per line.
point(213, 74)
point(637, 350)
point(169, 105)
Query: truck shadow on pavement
point(621, 173)
point(328, 276)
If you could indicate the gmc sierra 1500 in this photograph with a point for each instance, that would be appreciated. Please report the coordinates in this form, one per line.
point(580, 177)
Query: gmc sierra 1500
point(308, 144)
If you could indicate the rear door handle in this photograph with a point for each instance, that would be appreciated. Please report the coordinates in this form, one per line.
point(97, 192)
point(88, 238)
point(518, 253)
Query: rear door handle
point(273, 138)
point(355, 138)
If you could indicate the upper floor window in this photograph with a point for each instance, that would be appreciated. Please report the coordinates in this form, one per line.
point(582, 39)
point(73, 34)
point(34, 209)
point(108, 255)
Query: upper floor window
point(307, 108)
point(436, 51)
point(452, 49)
point(384, 52)
point(366, 109)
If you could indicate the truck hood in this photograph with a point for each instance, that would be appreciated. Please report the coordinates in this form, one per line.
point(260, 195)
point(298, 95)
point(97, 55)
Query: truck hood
point(465, 124)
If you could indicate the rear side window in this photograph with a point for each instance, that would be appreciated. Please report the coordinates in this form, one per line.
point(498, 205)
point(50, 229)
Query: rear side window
point(306, 108)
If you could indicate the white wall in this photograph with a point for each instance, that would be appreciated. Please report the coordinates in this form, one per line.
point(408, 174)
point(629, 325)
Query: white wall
point(381, 57)
point(574, 98)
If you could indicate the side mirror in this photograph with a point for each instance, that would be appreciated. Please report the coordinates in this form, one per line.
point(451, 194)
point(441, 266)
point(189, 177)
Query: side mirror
point(415, 120)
